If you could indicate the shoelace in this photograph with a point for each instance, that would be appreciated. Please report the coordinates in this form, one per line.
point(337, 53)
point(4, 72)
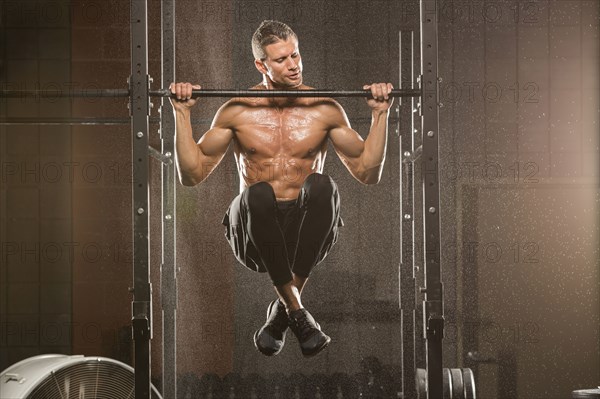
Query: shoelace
point(303, 326)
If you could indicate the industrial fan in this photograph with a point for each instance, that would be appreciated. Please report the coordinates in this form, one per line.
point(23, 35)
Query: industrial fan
point(68, 377)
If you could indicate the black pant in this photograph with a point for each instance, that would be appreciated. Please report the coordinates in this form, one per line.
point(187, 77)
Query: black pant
point(281, 237)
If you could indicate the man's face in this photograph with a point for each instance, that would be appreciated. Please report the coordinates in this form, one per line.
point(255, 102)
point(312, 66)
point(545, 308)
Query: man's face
point(283, 64)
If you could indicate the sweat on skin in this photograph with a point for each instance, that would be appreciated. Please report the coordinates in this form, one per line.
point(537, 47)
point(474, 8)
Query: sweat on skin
point(272, 136)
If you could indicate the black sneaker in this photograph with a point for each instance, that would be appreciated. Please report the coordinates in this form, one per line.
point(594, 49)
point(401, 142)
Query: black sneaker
point(270, 338)
point(305, 328)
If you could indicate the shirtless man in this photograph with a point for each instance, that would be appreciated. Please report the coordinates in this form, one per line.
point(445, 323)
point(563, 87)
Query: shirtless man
point(287, 215)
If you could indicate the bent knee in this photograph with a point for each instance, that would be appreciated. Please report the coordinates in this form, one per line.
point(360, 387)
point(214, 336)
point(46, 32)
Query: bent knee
point(320, 182)
point(259, 196)
point(319, 188)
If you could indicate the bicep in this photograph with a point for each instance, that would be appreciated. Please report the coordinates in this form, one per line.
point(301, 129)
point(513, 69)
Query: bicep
point(212, 147)
point(214, 143)
point(346, 141)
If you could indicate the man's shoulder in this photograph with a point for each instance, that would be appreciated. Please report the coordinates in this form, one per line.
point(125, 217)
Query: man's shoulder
point(330, 110)
point(317, 101)
point(228, 114)
point(238, 104)
point(243, 103)
point(327, 104)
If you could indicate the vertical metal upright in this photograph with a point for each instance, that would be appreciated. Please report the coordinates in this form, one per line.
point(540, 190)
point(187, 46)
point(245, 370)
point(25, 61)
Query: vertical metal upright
point(168, 275)
point(433, 306)
point(139, 85)
point(407, 219)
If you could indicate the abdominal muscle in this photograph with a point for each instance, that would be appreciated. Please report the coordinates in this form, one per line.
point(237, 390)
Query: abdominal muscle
point(285, 175)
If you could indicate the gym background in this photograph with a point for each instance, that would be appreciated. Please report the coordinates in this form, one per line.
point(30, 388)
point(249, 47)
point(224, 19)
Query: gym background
point(519, 190)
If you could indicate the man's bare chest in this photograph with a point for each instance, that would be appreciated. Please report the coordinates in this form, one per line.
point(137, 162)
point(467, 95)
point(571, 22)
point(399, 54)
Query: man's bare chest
point(290, 130)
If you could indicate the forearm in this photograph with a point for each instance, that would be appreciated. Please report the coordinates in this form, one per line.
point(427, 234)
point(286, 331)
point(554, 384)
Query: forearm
point(373, 156)
point(187, 153)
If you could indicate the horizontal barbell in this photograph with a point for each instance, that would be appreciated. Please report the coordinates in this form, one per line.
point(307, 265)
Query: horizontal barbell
point(232, 93)
point(90, 121)
point(285, 93)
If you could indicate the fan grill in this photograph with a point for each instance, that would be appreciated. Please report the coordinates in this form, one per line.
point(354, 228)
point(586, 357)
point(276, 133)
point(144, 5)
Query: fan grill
point(89, 380)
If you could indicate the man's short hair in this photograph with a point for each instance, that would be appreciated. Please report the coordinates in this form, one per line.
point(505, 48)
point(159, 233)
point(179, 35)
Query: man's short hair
point(267, 33)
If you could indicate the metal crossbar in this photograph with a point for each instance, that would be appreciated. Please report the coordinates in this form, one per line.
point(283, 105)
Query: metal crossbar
point(228, 93)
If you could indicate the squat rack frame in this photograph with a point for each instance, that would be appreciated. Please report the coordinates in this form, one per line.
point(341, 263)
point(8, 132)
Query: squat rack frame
point(139, 93)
